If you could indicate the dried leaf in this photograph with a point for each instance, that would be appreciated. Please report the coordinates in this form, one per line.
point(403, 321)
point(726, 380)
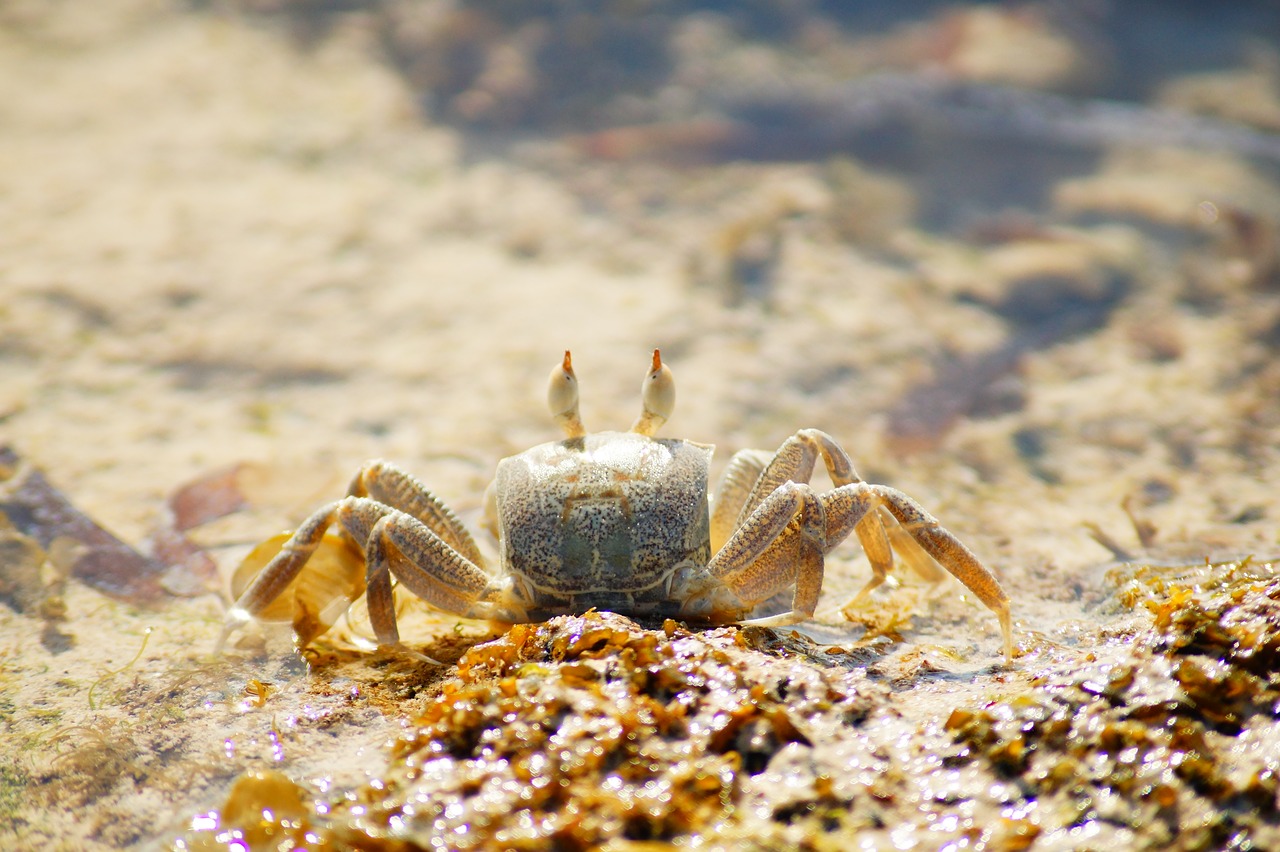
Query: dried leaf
point(38, 510)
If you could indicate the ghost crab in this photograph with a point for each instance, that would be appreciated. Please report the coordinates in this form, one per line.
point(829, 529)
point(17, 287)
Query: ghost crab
point(621, 521)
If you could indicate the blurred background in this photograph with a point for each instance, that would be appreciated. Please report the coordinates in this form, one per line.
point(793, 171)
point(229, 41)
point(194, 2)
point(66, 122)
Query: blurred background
point(1027, 245)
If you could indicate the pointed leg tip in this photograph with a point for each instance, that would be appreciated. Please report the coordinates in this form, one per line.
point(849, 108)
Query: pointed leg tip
point(237, 617)
point(1006, 629)
point(221, 644)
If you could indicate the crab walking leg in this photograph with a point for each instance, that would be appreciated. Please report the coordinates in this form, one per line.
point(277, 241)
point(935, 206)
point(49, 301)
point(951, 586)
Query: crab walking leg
point(739, 478)
point(781, 544)
point(795, 461)
point(378, 596)
point(874, 539)
point(359, 517)
point(428, 567)
point(388, 484)
point(847, 505)
point(380, 553)
point(882, 537)
point(908, 550)
point(276, 576)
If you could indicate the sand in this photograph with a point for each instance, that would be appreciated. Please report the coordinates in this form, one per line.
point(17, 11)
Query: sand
point(219, 246)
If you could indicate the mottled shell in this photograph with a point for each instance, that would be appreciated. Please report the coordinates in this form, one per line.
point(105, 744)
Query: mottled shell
point(603, 519)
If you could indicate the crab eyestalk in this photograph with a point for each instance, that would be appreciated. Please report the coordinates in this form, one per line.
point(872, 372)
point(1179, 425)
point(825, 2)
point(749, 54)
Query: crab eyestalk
point(562, 398)
point(659, 395)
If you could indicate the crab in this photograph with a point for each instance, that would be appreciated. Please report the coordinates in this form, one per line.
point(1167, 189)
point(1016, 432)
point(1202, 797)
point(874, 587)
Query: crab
point(621, 521)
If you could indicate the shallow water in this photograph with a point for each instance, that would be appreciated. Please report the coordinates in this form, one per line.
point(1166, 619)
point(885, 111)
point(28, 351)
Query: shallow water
point(1023, 263)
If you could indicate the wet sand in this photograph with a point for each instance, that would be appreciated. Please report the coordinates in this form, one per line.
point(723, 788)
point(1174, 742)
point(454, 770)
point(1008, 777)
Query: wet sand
point(219, 246)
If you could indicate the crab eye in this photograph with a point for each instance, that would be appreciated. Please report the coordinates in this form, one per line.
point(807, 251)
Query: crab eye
point(562, 397)
point(562, 392)
point(659, 396)
point(659, 390)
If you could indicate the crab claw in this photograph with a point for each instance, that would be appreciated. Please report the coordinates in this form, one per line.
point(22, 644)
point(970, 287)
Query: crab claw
point(659, 396)
point(562, 398)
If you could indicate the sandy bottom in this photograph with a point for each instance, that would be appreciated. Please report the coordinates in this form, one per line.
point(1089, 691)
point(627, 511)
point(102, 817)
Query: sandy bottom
point(217, 248)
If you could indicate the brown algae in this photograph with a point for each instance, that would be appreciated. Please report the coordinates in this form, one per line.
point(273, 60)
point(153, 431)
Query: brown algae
point(1177, 744)
point(590, 730)
point(577, 732)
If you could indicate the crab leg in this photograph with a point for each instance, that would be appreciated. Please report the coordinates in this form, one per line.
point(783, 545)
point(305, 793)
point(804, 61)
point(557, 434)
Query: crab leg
point(848, 505)
point(388, 484)
point(881, 537)
point(795, 461)
point(378, 596)
point(779, 545)
point(428, 567)
point(284, 567)
point(907, 548)
point(752, 475)
point(739, 477)
point(440, 574)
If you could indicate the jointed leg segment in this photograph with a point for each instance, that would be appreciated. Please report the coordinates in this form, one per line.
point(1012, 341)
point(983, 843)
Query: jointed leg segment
point(426, 548)
point(779, 545)
point(391, 486)
point(753, 474)
point(736, 483)
point(804, 528)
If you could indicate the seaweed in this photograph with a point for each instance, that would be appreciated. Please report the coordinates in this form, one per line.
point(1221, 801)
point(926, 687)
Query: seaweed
point(573, 733)
point(1161, 729)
